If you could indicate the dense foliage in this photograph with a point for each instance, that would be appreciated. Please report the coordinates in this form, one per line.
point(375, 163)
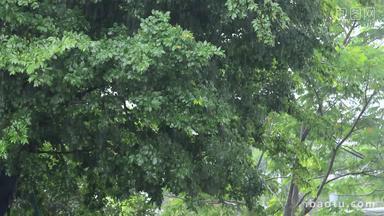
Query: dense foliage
point(108, 106)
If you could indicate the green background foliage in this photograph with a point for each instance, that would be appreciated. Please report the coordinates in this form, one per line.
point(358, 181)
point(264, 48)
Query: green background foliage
point(106, 106)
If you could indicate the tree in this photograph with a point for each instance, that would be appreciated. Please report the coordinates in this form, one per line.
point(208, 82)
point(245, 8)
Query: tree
point(98, 102)
point(337, 111)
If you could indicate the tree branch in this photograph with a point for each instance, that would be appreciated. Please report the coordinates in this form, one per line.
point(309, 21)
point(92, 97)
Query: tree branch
point(349, 33)
point(353, 152)
point(260, 159)
point(356, 121)
point(335, 150)
point(61, 152)
point(349, 174)
point(302, 198)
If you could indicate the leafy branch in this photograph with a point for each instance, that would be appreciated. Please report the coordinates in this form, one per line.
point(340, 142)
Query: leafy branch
point(335, 151)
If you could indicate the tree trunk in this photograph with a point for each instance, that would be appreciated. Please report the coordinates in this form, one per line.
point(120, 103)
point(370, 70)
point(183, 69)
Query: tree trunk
point(7, 189)
point(293, 198)
point(293, 195)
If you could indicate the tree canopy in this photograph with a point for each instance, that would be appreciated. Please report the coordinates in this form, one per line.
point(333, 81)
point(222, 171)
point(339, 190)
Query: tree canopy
point(112, 103)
